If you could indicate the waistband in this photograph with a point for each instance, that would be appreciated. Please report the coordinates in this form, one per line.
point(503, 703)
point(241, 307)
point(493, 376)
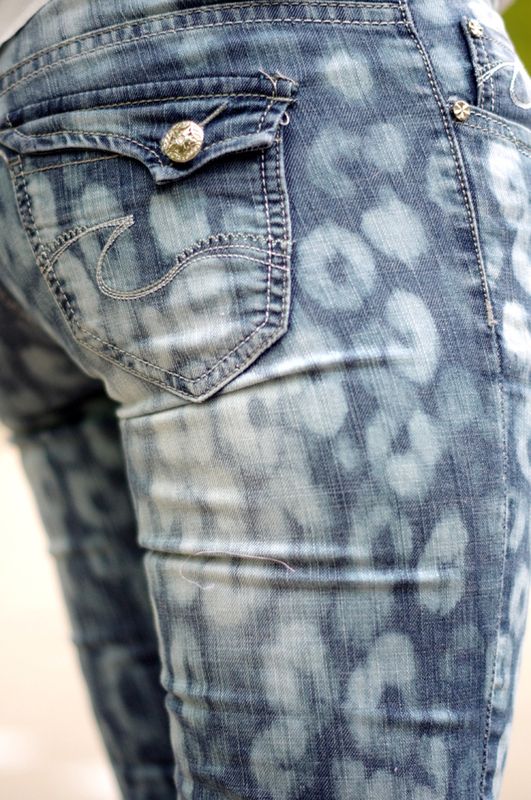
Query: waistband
point(64, 31)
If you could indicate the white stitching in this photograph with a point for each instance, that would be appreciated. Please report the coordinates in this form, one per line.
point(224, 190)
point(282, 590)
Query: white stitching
point(168, 277)
point(98, 32)
point(50, 279)
point(493, 69)
point(477, 67)
point(111, 135)
point(123, 221)
point(503, 125)
point(53, 284)
point(72, 163)
point(165, 385)
point(488, 65)
point(279, 184)
point(181, 393)
point(187, 97)
point(499, 136)
point(166, 99)
point(247, 21)
point(471, 219)
point(124, 26)
point(56, 248)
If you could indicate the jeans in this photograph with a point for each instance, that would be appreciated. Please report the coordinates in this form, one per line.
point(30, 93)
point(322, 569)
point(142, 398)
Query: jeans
point(265, 348)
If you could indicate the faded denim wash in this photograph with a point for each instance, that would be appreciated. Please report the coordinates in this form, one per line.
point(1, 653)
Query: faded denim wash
point(274, 400)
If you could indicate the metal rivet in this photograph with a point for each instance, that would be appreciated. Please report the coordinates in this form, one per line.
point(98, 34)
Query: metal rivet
point(183, 141)
point(461, 110)
point(475, 28)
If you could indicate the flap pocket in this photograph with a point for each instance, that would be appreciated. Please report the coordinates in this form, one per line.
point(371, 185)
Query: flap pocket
point(178, 273)
point(234, 113)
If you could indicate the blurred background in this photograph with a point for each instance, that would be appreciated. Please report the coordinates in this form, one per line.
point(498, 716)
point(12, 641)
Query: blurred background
point(49, 746)
point(518, 21)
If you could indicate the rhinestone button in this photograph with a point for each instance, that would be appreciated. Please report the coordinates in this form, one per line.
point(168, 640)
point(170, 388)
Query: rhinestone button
point(475, 28)
point(183, 141)
point(461, 110)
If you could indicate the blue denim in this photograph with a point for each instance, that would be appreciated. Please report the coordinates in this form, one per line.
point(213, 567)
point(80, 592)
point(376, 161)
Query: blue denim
point(273, 395)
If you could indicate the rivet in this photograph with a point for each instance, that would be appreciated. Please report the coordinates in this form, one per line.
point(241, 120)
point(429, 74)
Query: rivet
point(461, 110)
point(475, 28)
point(183, 141)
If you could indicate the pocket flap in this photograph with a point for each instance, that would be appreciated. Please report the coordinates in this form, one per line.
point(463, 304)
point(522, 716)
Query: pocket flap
point(235, 113)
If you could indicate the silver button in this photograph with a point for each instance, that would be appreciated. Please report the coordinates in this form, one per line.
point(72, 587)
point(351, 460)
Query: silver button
point(183, 141)
point(475, 28)
point(461, 110)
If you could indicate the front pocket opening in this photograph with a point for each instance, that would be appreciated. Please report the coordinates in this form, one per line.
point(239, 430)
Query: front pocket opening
point(501, 80)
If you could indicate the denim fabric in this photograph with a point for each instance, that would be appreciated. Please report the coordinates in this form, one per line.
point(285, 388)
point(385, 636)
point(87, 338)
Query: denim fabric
point(274, 400)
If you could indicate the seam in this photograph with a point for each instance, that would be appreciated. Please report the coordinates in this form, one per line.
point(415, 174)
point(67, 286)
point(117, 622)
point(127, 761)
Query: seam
point(202, 10)
point(284, 310)
point(136, 294)
point(501, 137)
point(250, 20)
point(121, 155)
point(268, 218)
point(51, 276)
point(501, 401)
point(495, 665)
point(72, 163)
point(169, 387)
point(86, 133)
point(283, 209)
point(137, 358)
point(45, 263)
point(150, 379)
point(212, 240)
point(244, 135)
point(488, 67)
point(34, 230)
point(111, 135)
point(269, 237)
point(475, 63)
point(495, 67)
point(263, 115)
point(34, 235)
point(75, 235)
point(502, 125)
point(481, 66)
point(491, 321)
point(496, 122)
point(166, 99)
point(121, 224)
point(214, 366)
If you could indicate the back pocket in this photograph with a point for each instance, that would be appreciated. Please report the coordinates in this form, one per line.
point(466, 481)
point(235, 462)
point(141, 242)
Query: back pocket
point(160, 220)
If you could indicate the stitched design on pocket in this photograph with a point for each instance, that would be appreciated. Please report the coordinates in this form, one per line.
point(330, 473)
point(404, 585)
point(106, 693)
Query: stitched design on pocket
point(190, 283)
